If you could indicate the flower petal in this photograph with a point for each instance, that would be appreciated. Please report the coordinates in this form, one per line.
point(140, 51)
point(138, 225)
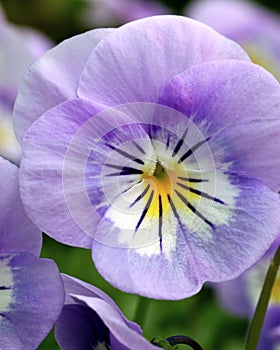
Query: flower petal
point(47, 84)
point(124, 337)
point(79, 327)
point(241, 233)
point(41, 171)
point(31, 299)
point(215, 96)
point(129, 74)
point(18, 233)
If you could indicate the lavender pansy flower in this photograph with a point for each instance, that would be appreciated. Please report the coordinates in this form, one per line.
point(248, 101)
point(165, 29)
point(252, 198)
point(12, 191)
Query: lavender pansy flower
point(15, 42)
point(107, 12)
point(151, 153)
point(255, 28)
point(240, 297)
point(31, 290)
point(90, 319)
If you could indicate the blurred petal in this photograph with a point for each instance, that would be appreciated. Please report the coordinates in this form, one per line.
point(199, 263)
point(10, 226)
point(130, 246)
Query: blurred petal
point(18, 233)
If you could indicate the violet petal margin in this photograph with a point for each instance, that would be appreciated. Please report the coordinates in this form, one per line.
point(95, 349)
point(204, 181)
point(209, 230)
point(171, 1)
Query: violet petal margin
point(31, 299)
point(53, 78)
point(101, 320)
point(18, 233)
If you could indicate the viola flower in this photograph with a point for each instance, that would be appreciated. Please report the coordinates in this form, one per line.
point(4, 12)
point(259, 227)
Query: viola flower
point(240, 297)
point(100, 13)
point(91, 319)
point(15, 42)
point(255, 28)
point(146, 148)
point(31, 290)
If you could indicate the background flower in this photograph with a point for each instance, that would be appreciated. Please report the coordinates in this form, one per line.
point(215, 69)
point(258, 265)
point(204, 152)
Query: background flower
point(255, 28)
point(100, 13)
point(31, 290)
point(15, 42)
point(240, 297)
point(91, 318)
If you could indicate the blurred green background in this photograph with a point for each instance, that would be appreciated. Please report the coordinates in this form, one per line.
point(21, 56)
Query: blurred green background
point(199, 317)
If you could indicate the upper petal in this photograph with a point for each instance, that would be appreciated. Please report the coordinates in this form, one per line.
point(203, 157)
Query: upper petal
point(53, 78)
point(138, 59)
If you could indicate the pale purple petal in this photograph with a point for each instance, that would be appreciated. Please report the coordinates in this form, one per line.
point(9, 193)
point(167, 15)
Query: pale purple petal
point(215, 96)
point(129, 74)
point(45, 200)
point(18, 233)
point(31, 299)
point(53, 78)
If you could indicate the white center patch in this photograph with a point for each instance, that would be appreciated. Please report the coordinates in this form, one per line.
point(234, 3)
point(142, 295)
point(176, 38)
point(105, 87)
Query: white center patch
point(6, 285)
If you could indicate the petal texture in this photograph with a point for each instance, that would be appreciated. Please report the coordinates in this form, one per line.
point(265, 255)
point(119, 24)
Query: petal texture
point(129, 74)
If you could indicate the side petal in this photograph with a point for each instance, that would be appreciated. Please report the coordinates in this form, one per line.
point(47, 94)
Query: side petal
point(53, 78)
point(31, 299)
point(41, 172)
point(226, 99)
point(142, 56)
point(18, 233)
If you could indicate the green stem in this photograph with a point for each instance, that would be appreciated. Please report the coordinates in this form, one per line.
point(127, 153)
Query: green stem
point(258, 318)
point(141, 311)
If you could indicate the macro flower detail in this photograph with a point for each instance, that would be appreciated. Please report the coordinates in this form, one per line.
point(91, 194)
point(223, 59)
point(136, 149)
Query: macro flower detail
point(91, 319)
point(150, 158)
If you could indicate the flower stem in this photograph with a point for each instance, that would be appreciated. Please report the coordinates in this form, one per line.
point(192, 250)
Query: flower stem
point(141, 311)
point(258, 318)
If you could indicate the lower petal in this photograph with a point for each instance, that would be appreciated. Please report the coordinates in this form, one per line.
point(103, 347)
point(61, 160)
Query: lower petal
point(176, 266)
